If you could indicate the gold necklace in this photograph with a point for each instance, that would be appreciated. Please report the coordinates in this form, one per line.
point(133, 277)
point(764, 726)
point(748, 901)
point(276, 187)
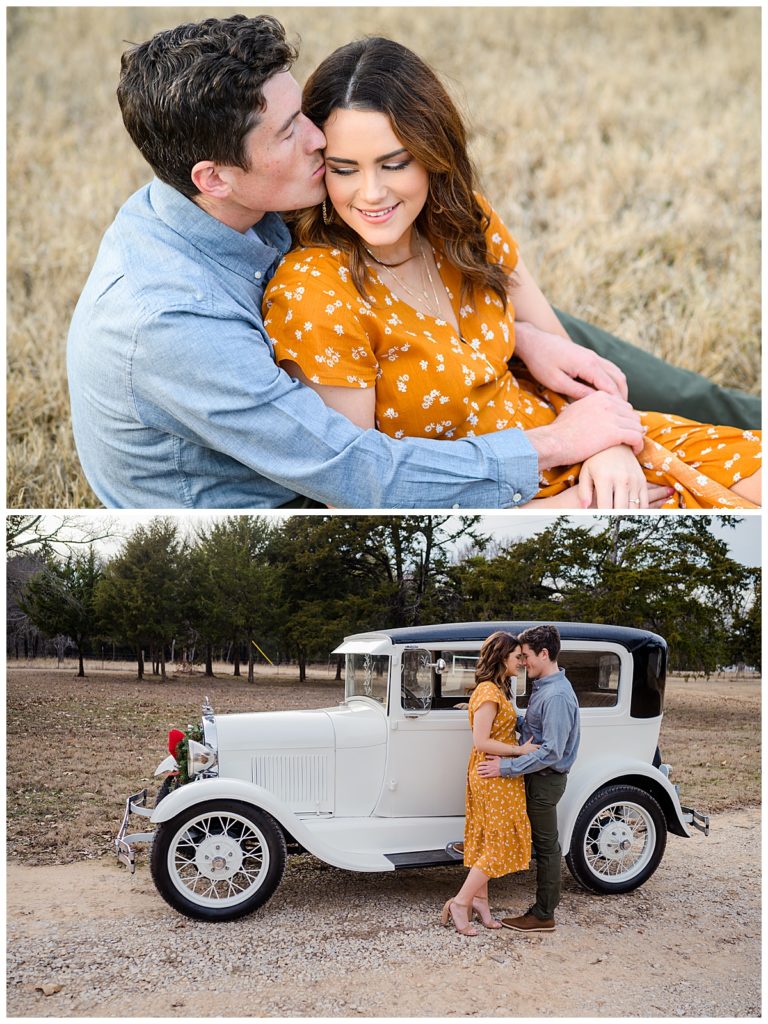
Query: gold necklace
point(423, 296)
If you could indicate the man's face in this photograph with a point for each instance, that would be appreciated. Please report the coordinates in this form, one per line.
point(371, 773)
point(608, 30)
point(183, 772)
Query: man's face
point(285, 154)
point(536, 665)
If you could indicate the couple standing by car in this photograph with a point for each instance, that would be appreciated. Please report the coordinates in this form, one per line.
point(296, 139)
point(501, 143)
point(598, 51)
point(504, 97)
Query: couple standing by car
point(513, 789)
point(376, 365)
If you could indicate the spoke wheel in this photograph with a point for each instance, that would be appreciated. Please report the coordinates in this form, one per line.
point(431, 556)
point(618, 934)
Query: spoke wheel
point(618, 840)
point(218, 860)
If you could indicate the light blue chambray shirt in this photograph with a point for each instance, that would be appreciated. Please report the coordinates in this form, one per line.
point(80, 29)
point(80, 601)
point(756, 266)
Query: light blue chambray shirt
point(552, 719)
point(177, 401)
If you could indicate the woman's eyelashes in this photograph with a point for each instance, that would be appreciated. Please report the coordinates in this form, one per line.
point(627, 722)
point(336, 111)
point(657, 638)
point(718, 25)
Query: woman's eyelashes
point(344, 172)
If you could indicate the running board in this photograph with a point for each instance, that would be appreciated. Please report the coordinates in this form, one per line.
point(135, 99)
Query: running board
point(420, 859)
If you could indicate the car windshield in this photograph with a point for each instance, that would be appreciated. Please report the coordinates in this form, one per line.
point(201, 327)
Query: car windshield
point(367, 676)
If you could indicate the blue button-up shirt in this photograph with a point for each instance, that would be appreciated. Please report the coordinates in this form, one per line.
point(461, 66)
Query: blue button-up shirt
point(552, 719)
point(177, 401)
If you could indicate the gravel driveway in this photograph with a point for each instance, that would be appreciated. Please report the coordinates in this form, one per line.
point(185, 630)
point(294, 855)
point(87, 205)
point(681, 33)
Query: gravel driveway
point(332, 943)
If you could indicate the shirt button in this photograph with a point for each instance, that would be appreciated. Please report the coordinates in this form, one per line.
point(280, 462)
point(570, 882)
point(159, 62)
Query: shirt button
point(456, 505)
point(517, 497)
point(257, 275)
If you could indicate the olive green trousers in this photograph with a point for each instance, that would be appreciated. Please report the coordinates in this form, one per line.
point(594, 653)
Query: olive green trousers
point(542, 795)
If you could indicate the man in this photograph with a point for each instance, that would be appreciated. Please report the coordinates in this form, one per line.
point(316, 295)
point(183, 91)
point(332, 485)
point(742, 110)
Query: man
point(552, 720)
point(176, 399)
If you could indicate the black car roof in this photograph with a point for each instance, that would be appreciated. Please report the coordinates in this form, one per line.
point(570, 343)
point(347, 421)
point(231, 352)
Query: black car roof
point(457, 631)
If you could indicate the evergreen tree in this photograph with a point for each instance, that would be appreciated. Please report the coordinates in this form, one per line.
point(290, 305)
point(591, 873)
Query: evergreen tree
point(138, 598)
point(60, 600)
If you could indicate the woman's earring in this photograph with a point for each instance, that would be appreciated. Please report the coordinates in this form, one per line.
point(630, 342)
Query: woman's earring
point(326, 217)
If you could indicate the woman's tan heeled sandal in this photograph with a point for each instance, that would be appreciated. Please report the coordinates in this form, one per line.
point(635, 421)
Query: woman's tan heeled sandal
point(447, 919)
point(482, 910)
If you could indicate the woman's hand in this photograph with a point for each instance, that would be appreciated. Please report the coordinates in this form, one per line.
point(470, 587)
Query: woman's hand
point(569, 498)
point(527, 748)
point(614, 479)
point(565, 367)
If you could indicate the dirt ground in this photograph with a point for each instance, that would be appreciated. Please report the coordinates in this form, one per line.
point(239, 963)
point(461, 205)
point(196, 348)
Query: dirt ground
point(331, 943)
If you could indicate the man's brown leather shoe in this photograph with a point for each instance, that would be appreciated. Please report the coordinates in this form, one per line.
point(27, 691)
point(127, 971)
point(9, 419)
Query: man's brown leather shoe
point(529, 923)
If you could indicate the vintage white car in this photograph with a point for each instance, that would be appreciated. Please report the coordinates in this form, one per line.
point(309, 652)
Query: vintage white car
point(378, 782)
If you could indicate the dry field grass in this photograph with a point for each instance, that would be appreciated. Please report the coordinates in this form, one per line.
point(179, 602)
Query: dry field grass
point(77, 749)
point(622, 147)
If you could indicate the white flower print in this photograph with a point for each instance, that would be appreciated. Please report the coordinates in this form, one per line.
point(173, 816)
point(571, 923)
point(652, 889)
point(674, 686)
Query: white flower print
point(402, 383)
point(330, 357)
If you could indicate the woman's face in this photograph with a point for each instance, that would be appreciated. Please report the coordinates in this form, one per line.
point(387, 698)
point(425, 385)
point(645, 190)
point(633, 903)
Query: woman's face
point(375, 185)
point(513, 662)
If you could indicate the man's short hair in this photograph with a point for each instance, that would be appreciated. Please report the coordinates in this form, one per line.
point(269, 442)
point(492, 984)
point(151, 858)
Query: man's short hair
point(194, 92)
point(540, 638)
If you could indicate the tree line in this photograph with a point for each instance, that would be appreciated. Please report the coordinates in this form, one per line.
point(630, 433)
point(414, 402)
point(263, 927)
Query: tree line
point(248, 587)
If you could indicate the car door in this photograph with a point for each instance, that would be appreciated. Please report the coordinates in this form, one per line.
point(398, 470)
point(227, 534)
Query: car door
point(428, 746)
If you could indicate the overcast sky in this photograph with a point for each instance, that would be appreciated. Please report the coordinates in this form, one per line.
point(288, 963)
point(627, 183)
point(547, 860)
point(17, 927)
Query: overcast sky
point(743, 540)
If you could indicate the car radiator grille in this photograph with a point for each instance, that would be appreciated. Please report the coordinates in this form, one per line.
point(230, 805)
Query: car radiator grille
point(303, 781)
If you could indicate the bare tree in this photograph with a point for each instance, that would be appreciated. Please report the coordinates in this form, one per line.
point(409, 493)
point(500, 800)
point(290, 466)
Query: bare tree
point(59, 533)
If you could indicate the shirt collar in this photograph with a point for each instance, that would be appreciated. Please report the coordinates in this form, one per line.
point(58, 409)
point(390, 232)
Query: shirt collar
point(543, 680)
point(242, 253)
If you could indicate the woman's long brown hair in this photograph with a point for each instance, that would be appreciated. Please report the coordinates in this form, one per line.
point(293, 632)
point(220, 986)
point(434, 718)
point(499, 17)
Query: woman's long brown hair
point(491, 665)
point(381, 75)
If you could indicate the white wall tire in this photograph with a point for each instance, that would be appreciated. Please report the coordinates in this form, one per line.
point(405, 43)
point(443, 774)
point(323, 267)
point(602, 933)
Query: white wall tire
point(219, 860)
point(618, 840)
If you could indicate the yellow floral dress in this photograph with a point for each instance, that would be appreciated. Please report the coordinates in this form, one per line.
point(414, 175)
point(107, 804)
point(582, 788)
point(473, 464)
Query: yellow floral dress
point(497, 834)
point(433, 382)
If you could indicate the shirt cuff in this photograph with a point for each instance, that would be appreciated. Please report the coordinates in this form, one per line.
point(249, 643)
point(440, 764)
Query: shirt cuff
point(518, 466)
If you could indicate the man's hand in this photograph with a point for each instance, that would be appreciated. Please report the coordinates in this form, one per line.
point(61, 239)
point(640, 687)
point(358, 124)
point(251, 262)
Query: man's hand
point(490, 768)
point(565, 367)
point(586, 427)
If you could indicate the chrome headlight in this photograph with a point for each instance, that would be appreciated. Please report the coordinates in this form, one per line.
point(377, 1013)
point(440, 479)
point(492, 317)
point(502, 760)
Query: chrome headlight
point(201, 758)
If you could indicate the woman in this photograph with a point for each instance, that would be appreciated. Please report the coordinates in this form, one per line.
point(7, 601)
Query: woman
point(497, 834)
point(399, 306)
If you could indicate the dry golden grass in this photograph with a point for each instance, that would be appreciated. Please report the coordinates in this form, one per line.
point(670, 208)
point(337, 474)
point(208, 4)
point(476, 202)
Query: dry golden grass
point(622, 147)
point(77, 749)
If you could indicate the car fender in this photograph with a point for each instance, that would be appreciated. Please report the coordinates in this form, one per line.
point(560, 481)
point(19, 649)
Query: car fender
point(205, 790)
point(582, 785)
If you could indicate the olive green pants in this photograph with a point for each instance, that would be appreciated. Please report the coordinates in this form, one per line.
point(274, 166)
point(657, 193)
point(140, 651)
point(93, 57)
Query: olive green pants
point(542, 795)
point(656, 386)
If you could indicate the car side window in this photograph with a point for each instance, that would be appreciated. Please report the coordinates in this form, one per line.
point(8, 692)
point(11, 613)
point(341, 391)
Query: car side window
point(594, 676)
point(455, 683)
